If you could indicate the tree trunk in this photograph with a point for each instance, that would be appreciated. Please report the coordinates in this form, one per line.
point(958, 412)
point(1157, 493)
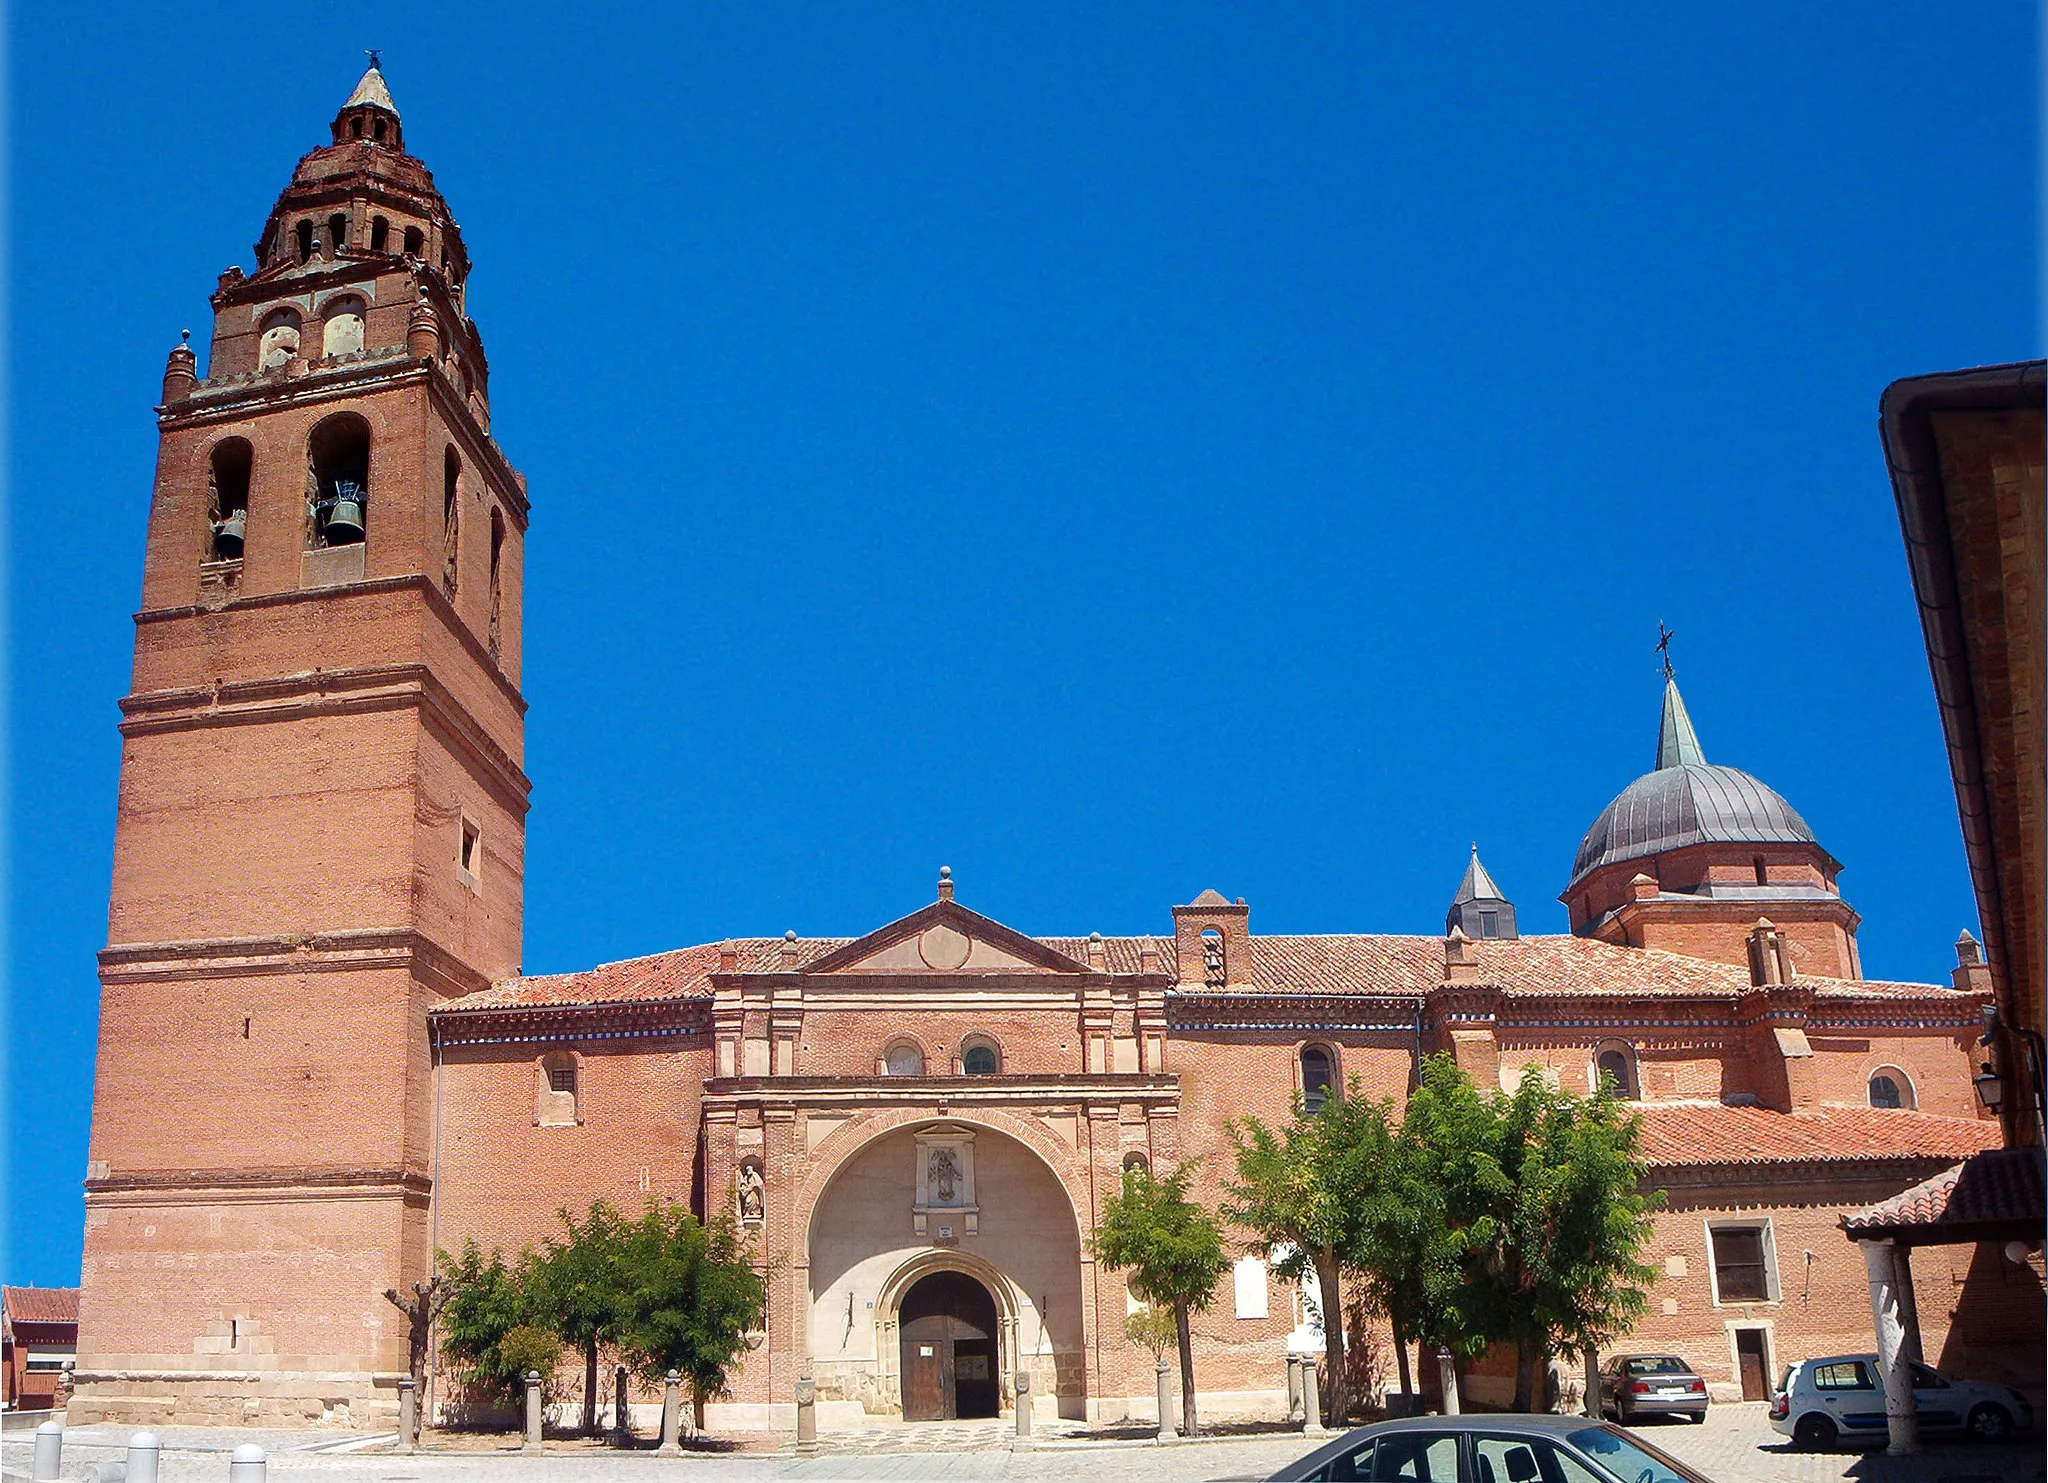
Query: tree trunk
point(696, 1407)
point(590, 1387)
point(1525, 1374)
point(1187, 1370)
point(1400, 1352)
point(1336, 1403)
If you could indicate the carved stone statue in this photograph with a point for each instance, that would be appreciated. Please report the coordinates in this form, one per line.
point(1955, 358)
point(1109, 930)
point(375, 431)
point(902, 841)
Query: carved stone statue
point(750, 1193)
point(942, 1176)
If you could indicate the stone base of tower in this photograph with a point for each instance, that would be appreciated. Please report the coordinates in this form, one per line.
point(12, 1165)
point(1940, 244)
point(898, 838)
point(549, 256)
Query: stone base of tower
point(146, 1397)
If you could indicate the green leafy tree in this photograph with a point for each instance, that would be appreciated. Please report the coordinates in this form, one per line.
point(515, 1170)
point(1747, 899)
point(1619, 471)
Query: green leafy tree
point(581, 1292)
point(528, 1349)
point(1542, 1219)
point(487, 1299)
point(1173, 1249)
point(693, 1296)
point(1151, 1327)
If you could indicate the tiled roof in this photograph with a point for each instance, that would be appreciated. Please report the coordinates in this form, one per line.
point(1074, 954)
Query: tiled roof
point(2002, 1185)
point(1336, 964)
point(1682, 1133)
point(40, 1304)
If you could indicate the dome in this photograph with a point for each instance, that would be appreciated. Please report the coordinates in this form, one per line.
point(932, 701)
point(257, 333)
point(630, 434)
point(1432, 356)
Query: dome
point(1686, 801)
point(1693, 803)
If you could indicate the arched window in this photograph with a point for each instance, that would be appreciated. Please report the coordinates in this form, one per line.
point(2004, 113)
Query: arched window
point(380, 227)
point(497, 581)
point(415, 240)
point(227, 498)
point(279, 340)
point(1318, 1077)
point(1891, 1087)
point(337, 233)
point(378, 130)
point(451, 521)
point(980, 1057)
point(559, 1091)
point(305, 230)
point(355, 128)
point(903, 1059)
point(1135, 1162)
point(1615, 1061)
point(341, 331)
point(1215, 972)
point(338, 481)
point(1763, 876)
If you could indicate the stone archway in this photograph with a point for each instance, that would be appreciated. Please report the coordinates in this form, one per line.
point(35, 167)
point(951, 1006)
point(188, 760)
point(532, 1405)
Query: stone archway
point(878, 1230)
point(948, 1348)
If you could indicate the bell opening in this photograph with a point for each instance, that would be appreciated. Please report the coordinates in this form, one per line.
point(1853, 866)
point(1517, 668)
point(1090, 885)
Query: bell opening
point(340, 459)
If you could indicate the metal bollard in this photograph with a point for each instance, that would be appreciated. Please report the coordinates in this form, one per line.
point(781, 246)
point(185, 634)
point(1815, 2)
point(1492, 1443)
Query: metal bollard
point(1293, 1388)
point(532, 1442)
point(671, 1415)
point(1022, 1443)
point(1449, 1371)
point(247, 1464)
point(1165, 1405)
point(620, 1422)
point(143, 1452)
point(1311, 1400)
point(806, 1416)
point(408, 1414)
point(49, 1450)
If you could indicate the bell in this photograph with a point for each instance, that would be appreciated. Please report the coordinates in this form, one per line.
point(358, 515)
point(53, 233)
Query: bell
point(345, 521)
point(227, 535)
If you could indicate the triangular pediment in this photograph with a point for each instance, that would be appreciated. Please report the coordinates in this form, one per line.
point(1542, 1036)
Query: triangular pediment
point(945, 938)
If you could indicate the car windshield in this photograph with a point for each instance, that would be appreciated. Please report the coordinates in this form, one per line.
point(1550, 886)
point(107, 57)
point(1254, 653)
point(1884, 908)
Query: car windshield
point(1626, 1457)
point(1662, 1364)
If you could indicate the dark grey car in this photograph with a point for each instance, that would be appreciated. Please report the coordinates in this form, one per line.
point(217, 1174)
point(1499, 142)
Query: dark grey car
point(1634, 1386)
point(1488, 1449)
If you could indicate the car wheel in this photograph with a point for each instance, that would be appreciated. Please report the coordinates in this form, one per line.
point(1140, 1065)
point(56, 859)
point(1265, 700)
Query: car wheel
point(1814, 1432)
point(1990, 1424)
point(1699, 1419)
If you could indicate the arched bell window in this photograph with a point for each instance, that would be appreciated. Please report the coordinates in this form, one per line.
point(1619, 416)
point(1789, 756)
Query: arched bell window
point(278, 340)
point(305, 234)
point(338, 481)
point(415, 242)
point(903, 1058)
point(380, 227)
point(1615, 1061)
point(497, 582)
point(1891, 1087)
point(227, 498)
point(451, 521)
point(341, 330)
point(979, 1056)
point(337, 233)
point(1318, 1077)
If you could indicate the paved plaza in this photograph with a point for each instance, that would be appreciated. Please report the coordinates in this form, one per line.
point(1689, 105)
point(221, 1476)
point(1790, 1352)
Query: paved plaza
point(1736, 1445)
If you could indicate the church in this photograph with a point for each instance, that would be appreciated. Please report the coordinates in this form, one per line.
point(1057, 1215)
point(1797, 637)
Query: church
point(316, 902)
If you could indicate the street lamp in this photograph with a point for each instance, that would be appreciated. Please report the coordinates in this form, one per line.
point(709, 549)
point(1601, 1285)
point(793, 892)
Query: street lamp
point(1990, 1089)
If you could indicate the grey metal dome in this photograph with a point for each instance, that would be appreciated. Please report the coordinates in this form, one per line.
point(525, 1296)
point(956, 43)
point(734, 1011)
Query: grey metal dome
point(1686, 801)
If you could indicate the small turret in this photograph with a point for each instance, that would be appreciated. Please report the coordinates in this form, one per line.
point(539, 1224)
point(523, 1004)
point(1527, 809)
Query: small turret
point(1479, 909)
point(181, 370)
point(369, 116)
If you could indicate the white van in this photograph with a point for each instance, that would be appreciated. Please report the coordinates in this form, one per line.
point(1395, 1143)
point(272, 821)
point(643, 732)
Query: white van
point(1820, 1402)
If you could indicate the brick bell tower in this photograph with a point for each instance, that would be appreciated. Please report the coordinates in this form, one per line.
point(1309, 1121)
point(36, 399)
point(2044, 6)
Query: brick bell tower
point(321, 829)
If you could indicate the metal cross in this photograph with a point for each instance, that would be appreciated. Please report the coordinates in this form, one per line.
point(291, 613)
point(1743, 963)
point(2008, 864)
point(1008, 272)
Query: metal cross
point(371, 53)
point(1664, 638)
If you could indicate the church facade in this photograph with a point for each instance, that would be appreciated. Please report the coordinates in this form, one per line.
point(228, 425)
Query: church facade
point(317, 894)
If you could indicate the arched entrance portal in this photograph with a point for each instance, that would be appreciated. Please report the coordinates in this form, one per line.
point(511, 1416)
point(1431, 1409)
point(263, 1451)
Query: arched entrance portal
point(948, 1324)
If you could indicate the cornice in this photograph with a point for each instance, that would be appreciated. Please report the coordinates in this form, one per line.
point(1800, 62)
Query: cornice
point(865, 1093)
point(524, 1025)
point(311, 952)
point(310, 1182)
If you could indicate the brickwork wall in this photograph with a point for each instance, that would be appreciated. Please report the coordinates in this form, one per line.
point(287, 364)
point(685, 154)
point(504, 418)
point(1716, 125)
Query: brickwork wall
point(848, 1042)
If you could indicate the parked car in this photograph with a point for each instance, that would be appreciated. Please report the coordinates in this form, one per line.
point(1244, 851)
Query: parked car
point(1633, 1386)
point(1822, 1401)
point(1488, 1449)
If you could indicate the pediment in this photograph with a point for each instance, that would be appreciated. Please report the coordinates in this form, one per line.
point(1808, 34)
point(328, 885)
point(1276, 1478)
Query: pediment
point(945, 938)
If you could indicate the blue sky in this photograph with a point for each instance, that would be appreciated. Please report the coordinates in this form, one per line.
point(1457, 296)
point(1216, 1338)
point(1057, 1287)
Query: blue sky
point(1110, 450)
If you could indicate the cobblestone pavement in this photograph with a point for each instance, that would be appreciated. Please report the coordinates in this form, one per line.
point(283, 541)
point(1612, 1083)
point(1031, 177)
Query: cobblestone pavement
point(1736, 1445)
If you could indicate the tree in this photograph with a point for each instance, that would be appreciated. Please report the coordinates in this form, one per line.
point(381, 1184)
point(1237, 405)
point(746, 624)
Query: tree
point(421, 1308)
point(486, 1301)
point(580, 1290)
point(1306, 1195)
point(1541, 1213)
point(1173, 1249)
point(1150, 1326)
point(693, 1296)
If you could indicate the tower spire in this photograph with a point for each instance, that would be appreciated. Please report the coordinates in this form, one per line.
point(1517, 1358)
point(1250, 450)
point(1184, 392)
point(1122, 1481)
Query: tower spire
point(1677, 743)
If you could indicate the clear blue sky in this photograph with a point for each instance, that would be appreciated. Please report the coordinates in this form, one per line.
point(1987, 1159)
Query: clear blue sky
point(1110, 450)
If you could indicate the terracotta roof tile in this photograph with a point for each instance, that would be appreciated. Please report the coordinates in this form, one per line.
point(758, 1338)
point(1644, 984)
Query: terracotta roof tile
point(40, 1304)
point(1994, 1187)
point(1681, 1133)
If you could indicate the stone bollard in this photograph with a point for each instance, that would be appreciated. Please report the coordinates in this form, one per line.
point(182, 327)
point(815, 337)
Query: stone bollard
point(622, 1426)
point(247, 1464)
point(1311, 1400)
point(1022, 1441)
point(49, 1451)
point(1448, 1369)
point(143, 1453)
point(408, 1414)
point(1293, 1389)
point(806, 1416)
point(671, 1415)
point(532, 1442)
point(1165, 1405)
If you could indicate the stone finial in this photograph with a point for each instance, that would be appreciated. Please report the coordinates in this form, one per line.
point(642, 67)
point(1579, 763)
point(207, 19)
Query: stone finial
point(181, 370)
point(1097, 953)
point(1969, 952)
point(1642, 887)
point(728, 956)
point(1461, 961)
point(1770, 958)
point(789, 951)
point(1972, 974)
point(1148, 955)
point(945, 883)
point(423, 330)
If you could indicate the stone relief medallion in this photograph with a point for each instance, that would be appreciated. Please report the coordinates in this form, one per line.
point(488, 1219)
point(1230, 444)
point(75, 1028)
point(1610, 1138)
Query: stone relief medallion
point(943, 947)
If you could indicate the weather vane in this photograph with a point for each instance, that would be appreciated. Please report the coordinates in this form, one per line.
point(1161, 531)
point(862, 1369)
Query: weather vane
point(1664, 638)
point(375, 60)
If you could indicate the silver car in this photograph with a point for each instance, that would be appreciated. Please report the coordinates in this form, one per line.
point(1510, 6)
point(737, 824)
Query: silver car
point(1488, 1449)
point(1634, 1386)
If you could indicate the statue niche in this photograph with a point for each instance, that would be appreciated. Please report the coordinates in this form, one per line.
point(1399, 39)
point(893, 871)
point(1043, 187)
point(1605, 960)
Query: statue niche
point(945, 1209)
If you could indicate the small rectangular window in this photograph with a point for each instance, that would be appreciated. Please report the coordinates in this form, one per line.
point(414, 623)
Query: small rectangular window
point(1741, 1264)
point(1489, 924)
point(466, 854)
point(562, 1079)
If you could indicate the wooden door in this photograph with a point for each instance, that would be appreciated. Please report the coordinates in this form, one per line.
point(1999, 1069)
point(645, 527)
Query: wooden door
point(948, 1320)
point(924, 1378)
point(1749, 1358)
